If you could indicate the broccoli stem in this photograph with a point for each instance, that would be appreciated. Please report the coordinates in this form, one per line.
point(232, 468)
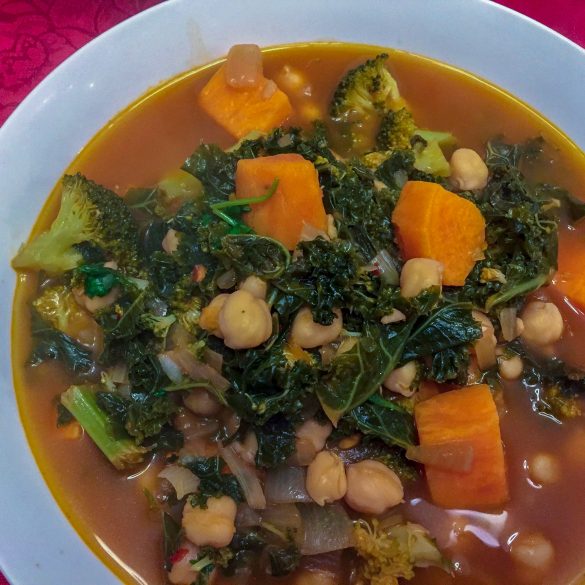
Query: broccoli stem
point(81, 402)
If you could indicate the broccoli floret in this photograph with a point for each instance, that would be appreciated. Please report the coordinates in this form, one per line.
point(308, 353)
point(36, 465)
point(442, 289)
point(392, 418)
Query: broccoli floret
point(364, 90)
point(88, 213)
point(158, 325)
point(58, 306)
point(396, 130)
point(188, 313)
point(81, 402)
point(390, 554)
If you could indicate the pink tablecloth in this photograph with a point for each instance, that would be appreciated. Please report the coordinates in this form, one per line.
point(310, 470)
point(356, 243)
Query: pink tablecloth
point(37, 35)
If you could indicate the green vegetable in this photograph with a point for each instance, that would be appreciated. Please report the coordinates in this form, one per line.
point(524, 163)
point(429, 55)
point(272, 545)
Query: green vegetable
point(99, 280)
point(367, 88)
point(521, 229)
point(282, 561)
point(88, 213)
point(171, 537)
point(81, 402)
point(396, 130)
point(386, 420)
point(358, 373)
point(449, 326)
point(214, 483)
point(49, 343)
point(322, 277)
point(276, 442)
point(255, 255)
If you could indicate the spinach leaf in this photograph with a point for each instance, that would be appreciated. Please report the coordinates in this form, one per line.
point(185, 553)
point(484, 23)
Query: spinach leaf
point(257, 255)
point(356, 375)
point(214, 483)
point(449, 326)
point(98, 280)
point(51, 344)
point(386, 420)
point(276, 441)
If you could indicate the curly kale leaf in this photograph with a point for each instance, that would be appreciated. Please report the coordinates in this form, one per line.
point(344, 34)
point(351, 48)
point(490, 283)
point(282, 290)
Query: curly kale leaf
point(214, 483)
point(276, 441)
point(257, 255)
point(322, 277)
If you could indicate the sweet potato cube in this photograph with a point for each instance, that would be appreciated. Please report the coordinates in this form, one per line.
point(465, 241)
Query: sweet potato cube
point(432, 222)
point(468, 414)
point(297, 200)
point(242, 110)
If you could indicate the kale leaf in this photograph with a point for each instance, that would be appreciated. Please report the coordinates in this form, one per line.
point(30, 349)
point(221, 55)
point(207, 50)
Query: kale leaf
point(51, 344)
point(276, 441)
point(214, 483)
point(356, 374)
point(257, 255)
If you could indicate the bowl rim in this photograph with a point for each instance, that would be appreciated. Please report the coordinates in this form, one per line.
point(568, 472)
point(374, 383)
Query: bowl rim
point(52, 552)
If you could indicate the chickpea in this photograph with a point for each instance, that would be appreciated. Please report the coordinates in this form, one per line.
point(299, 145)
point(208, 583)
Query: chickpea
point(308, 334)
point(543, 323)
point(510, 368)
point(95, 304)
point(247, 448)
point(532, 551)
point(485, 346)
point(544, 469)
point(255, 286)
point(315, 432)
point(403, 380)
point(209, 319)
point(211, 526)
point(419, 274)
point(468, 171)
point(372, 488)
point(170, 242)
point(326, 481)
point(244, 320)
point(201, 402)
point(291, 79)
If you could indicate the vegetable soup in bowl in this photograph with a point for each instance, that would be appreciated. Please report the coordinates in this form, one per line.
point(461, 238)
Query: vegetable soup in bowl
point(313, 314)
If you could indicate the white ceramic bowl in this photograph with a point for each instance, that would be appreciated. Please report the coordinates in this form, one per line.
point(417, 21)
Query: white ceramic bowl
point(37, 545)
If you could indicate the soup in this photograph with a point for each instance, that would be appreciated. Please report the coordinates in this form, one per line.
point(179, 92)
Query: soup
point(339, 318)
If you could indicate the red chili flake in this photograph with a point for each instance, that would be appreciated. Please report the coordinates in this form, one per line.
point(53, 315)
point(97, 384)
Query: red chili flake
point(198, 273)
point(179, 555)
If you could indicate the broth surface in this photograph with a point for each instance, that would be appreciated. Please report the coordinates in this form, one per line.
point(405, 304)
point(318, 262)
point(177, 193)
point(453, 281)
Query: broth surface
point(154, 136)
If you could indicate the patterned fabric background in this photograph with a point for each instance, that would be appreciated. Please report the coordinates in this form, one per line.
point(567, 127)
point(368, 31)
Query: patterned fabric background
point(37, 35)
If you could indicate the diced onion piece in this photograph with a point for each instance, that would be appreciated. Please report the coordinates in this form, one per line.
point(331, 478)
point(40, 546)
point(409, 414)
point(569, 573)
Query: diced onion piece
point(246, 476)
point(509, 323)
point(451, 455)
point(325, 529)
point(226, 280)
point(246, 517)
point(119, 373)
point(193, 426)
point(384, 265)
point(184, 481)
point(285, 485)
point(309, 233)
point(197, 370)
point(214, 359)
point(283, 518)
point(170, 368)
point(243, 67)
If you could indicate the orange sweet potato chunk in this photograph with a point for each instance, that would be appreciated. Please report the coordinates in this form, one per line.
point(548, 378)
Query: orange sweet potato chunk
point(240, 111)
point(570, 276)
point(468, 414)
point(432, 222)
point(297, 200)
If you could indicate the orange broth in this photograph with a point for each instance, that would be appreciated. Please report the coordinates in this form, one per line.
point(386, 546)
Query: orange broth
point(154, 136)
